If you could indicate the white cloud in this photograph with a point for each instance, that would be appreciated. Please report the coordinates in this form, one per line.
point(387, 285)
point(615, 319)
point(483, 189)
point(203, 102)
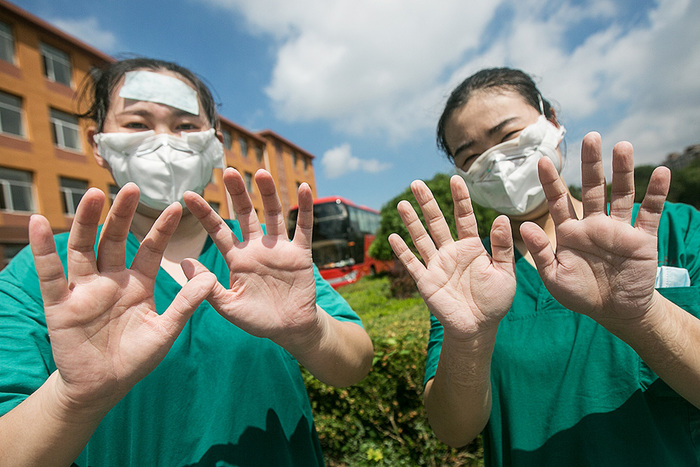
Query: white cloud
point(87, 30)
point(361, 64)
point(340, 161)
point(627, 70)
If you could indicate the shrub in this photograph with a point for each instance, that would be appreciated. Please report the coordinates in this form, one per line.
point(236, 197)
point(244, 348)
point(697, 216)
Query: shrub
point(381, 421)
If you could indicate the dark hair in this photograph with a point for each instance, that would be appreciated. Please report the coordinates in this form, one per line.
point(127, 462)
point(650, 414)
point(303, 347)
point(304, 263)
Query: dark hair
point(506, 78)
point(97, 88)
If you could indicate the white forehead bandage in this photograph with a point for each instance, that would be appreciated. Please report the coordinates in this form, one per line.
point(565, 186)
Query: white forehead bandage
point(156, 87)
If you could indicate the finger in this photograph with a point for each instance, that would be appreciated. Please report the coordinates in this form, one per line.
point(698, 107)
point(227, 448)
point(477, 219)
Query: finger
point(622, 192)
point(434, 220)
point(593, 190)
point(414, 267)
point(274, 217)
point(540, 249)
point(422, 241)
point(502, 252)
point(49, 269)
point(465, 220)
point(560, 207)
point(243, 207)
point(150, 253)
point(112, 245)
point(218, 295)
point(305, 217)
point(653, 202)
point(81, 241)
point(193, 293)
point(222, 235)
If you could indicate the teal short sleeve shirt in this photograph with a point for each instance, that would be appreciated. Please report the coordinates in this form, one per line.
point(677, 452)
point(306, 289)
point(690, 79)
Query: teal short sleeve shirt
point(220, 396)
point(568, 392)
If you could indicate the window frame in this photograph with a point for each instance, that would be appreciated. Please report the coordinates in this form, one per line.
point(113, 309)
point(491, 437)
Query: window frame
point(7, 42)
point(243, 145)
point(67, 194)
point(52, 56)
point(6, 185)
point(228, 139)
point(248, 179)
point(57, 122)
point(20, 114)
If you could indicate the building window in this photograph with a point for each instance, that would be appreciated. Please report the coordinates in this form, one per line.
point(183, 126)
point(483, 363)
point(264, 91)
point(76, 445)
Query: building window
point(244, 146)
point(248, 181)
point(113, 190)
point(66, 132)
point(227, 139)
point(259, 153)
point(10, 114)
point(294, 159)
point(72, 191)
point(7, 43)
point(306, 163)
point(16, 190)
point(56, 64)
point(9, 251)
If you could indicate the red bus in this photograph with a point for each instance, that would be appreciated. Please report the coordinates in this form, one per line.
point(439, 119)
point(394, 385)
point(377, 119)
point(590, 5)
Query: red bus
point(343, 232)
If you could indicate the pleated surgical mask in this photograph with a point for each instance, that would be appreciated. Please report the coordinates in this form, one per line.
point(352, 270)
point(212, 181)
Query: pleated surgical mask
point(163, 166)
point(505, 177)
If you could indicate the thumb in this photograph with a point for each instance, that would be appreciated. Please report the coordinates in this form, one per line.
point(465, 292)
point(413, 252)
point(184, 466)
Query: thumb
point(216, 294)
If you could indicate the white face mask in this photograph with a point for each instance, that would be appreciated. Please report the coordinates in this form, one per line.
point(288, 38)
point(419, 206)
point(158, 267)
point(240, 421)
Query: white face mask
point(505, 177)
point(163, 166)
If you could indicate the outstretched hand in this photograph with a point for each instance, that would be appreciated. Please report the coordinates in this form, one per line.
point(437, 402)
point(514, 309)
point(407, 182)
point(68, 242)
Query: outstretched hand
point(105, 332)
point(603, 266)
point(467, 290)
point(272, 290)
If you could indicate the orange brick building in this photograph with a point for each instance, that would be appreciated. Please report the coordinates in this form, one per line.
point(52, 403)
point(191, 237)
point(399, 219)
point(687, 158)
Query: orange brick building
point(46, 163)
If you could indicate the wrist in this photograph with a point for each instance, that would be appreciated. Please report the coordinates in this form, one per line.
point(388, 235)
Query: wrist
point(650, 318)
point(307, 339)
point(67, 409)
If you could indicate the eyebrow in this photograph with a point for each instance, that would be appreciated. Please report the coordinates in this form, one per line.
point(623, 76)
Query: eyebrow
point(490, 132)
point(146, 113)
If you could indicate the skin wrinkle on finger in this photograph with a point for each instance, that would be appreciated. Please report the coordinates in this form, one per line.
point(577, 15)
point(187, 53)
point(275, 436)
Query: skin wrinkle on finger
point(420, 236)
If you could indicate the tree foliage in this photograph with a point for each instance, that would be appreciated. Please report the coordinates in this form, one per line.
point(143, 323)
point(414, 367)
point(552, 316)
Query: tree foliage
point(685, 184)
point(391, 222)
point(381, 421)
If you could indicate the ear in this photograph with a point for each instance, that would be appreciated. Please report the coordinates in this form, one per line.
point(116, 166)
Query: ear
point(220, 136)
point(91, 132)
point(553, 117)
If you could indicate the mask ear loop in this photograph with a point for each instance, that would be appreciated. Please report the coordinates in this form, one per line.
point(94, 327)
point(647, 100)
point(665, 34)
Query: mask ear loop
point(562, 151)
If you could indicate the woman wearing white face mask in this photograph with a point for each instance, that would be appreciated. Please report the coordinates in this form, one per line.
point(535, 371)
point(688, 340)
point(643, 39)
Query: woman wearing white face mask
point(123, 362)
point(570, 335)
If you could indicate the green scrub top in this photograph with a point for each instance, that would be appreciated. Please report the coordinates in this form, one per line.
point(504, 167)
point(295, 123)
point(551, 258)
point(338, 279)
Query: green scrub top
point(220, 396)
point(568, 392)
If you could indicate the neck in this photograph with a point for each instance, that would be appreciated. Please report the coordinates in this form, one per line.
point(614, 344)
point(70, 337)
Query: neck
point(186, 242)
point(545, 222)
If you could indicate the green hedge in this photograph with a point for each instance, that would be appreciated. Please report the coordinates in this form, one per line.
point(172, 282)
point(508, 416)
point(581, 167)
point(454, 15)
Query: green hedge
point(381, 421)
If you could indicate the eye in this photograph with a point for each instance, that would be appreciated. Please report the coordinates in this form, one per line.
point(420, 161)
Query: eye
point(187, 126)
point(511, 135)
point(136, 126)
point(468, 161)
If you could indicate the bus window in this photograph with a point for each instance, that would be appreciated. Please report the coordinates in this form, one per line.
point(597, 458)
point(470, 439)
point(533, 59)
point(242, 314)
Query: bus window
point(342, 235)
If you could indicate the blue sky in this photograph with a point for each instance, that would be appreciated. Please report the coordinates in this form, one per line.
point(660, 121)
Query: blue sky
point(361, 83)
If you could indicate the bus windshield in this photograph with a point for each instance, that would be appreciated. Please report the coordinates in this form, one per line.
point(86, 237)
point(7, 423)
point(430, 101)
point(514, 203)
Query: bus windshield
point(330, 235)
point(342, 234)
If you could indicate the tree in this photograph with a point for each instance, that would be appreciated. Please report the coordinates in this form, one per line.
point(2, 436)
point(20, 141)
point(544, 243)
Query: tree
point(391, 222)
point(685, 183)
